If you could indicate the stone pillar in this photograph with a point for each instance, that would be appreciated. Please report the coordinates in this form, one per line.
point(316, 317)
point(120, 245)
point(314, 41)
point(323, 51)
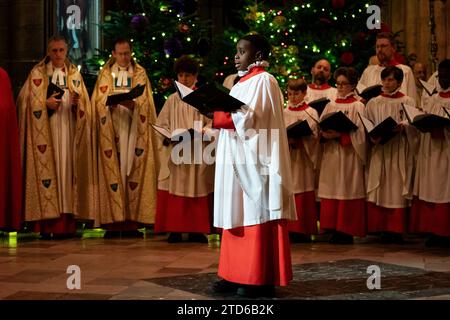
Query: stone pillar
point(413, 17)
point(27, 25)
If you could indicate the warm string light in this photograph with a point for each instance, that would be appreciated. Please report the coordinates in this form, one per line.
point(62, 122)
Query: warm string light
point(293, 50)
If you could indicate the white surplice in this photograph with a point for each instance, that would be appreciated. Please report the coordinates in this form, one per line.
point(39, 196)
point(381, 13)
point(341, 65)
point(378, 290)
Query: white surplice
point(304, 160)
point(325, 91)
point(433, 80)
point(62, 126)
point(342, 168)
point(391, 167)
point(253, 173)
point(432, 179)
point(124, 120)
point(194, 179)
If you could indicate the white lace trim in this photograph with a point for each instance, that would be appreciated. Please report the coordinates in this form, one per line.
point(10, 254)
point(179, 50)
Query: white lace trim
point(262, 63)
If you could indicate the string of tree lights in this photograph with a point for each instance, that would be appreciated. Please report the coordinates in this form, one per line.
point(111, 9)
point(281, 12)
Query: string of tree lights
point(160, 31)
point(301, 32)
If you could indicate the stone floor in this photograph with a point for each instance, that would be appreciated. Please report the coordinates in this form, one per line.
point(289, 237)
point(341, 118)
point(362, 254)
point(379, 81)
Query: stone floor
point(149, 268)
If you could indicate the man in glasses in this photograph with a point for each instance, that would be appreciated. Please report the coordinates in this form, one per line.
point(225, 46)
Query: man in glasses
point(385, 51)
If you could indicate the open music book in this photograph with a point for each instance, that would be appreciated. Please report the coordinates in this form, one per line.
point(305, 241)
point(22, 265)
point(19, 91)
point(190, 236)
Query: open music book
point(370, 92)
point(209, 98)
point(428, 87)
point(383, 130)
point(337, 121)
point(424, 122)
point(114, 99)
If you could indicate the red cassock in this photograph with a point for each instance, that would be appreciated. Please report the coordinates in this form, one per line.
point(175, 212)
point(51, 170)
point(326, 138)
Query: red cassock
point(257, 254)
point(10, 167)
point(183, 214)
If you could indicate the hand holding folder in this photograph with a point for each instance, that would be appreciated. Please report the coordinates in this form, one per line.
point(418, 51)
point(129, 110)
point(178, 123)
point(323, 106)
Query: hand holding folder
point(337, 121)
point(52, 89)
point(209, 98)
point(384, 131)
point(425, 122)
point(134, 93)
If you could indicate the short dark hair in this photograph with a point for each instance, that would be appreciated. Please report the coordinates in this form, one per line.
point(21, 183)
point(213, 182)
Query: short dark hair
point(56, 38)
point(297, 85)
point(260, 44)
point(122, 40)
point(444, 73)
point(387, 35)
point(186, 64)
point(396, 72)
point(349, 72)
point(444, 65)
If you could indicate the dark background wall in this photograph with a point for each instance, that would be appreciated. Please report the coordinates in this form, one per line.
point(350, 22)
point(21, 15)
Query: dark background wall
point(24, 28)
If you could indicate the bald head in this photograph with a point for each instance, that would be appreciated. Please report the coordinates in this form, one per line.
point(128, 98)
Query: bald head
point(420, 71)
point(321, 72)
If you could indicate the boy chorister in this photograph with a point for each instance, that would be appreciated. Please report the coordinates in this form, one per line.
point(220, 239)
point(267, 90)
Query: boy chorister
point(430, 212)
point(304, 152)
point(390, 173)
point(341, 181)
point(253, 196)
point(185, 189)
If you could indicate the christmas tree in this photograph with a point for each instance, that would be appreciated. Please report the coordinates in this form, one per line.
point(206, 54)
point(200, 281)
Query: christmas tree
point(302, 32)
point(160, 31)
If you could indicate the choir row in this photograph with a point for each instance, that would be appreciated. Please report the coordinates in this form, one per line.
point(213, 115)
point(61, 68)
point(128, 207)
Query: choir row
point(86, 160)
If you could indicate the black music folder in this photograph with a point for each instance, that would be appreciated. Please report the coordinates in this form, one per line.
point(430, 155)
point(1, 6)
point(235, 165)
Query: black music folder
point(114, 99)
point(383, 130)
point(209, 98)
point(319, 104)
point(52, 89)
point(299, 129)
point(370, 92)
point(337, 121)
point(424, 122)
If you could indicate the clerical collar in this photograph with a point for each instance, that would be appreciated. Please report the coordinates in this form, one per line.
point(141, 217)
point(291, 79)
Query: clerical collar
point(324, 86)
point(128, 68)
point(58, 75)
point(122, 77)
point(349, 98)
point(298, 107)
point(396, 94)
point(63, 68)
point(393, 62)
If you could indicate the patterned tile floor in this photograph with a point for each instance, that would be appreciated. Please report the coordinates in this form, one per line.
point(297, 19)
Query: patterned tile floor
point(151, 269)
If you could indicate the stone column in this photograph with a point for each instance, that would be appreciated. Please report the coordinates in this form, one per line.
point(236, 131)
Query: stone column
point(27, 25)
